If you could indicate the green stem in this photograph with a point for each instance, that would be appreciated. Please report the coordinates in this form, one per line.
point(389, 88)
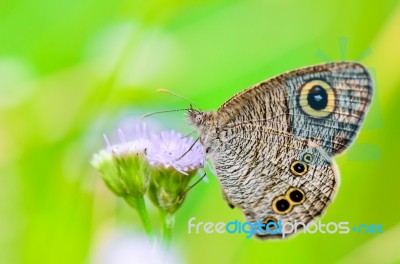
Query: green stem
point(140, 206)
point(168, 225)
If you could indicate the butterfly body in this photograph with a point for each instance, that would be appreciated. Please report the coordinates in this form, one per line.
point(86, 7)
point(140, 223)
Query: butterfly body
point(272, 145)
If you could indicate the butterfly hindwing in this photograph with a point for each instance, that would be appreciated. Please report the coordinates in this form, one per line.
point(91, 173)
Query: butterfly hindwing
point(262, 178)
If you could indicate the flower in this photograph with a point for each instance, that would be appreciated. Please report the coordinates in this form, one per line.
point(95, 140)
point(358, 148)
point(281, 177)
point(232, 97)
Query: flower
point(174, 161)
point(123, 166)
point(161, 164)
point(125, 170)
point(172, 150)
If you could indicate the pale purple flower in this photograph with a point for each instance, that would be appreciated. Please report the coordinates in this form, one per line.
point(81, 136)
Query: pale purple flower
point(123, 166)
point(123, 148)
point(168, 150)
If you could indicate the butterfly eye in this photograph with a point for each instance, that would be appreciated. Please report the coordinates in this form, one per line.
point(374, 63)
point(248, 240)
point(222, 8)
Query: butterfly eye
point(198, 119)
point(308, 158)
point(317, 99)
point(296, 196)
point(281, 205)
point(298, 168)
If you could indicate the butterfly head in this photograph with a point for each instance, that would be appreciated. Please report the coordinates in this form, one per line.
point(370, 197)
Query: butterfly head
point(198, 118)
point(195, 117)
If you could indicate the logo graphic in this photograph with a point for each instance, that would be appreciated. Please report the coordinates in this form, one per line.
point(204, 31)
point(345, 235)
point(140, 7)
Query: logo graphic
point(280, 228)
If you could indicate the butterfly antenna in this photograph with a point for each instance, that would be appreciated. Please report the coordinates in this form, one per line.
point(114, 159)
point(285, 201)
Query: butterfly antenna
point(176, 95)
point(163, 111)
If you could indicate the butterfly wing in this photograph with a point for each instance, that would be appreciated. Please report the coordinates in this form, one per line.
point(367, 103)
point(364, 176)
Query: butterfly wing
point(274, 177)
point(268, 133)
point(325, 104)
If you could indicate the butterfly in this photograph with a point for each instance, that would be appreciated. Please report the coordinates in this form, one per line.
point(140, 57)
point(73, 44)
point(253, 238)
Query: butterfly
point(272, 145)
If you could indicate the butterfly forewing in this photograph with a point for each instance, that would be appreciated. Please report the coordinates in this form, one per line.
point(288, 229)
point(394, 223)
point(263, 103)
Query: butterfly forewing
point(324, 103)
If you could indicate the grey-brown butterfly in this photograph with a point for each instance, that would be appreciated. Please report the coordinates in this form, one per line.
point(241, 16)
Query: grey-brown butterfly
point(272, 144)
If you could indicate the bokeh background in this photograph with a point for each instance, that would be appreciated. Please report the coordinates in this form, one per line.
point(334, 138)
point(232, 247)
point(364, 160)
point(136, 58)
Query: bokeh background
point(73, 70)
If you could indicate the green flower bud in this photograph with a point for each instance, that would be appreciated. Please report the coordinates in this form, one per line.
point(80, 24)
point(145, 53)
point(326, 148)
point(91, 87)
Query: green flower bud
point(168, 188)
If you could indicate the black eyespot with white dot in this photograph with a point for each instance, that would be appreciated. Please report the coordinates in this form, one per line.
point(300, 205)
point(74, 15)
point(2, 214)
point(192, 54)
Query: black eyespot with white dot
point(281, 205)
point(296, 196)
point(317, 98)
point(298, 168)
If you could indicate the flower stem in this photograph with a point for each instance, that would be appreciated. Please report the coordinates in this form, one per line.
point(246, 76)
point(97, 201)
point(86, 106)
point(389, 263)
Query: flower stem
point(140, 206)
point(168, 225)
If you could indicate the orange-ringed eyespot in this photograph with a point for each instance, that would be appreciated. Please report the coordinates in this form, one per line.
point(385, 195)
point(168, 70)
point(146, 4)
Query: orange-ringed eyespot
point(296, 196)
point(298, 168)
point(282, 205)
point(317, 99)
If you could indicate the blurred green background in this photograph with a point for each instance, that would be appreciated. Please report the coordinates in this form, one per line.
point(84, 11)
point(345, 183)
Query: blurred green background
point(73, 70)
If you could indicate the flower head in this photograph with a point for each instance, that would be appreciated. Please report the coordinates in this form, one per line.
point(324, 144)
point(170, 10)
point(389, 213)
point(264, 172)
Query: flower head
point(160, 164)
point(174, 161)
point(123, 166)
point(171, 149)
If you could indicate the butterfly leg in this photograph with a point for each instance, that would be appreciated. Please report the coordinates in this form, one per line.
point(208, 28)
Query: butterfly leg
point(183, 155)
point(193, 185)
